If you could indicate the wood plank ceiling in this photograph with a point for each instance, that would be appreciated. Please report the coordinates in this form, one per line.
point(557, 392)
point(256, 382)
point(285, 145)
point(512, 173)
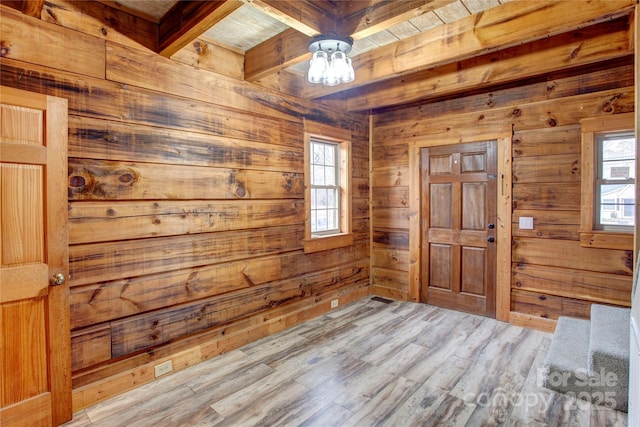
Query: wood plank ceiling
point(273, 35)
point(399, 44)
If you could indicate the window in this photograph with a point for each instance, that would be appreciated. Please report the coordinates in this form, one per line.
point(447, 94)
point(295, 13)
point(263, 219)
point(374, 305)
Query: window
point(608, 191)
point(615, 181)
point(327, 188)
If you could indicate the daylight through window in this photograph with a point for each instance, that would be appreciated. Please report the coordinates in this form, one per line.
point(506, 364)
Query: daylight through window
point(615, 181)
point(325, 187)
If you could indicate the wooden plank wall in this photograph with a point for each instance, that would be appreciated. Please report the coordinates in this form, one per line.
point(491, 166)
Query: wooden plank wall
point(185, 193)
point(552, 274)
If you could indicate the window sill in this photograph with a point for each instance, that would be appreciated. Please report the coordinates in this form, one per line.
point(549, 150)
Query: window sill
point(606, 240)
point(324, 243)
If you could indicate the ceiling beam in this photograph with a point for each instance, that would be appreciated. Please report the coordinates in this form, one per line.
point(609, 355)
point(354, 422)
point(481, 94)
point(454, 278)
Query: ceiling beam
point(288, 48)
point(308, 17)
point(32, 7)
point(281, 51)
point(380, 15)
point(600, 43)
point(504, 26)
point(187, 20)
point(27, 7)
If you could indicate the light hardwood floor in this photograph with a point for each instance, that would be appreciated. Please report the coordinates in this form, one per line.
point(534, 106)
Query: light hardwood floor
point(369, 363)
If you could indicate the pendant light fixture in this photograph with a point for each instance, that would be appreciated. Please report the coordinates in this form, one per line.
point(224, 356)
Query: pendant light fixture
point(330, 64)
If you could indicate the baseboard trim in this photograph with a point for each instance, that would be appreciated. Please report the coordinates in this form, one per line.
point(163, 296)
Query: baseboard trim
point(532, 322)
point(390, 293)
point(258, 326)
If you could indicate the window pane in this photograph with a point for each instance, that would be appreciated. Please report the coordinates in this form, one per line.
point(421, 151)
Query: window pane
point(618, 169)
point(317, 175)
point(628, 211)
point(314, 222)
point(321, 220)
point(332, 223)
point(617, 205)
point(330, 154)
point(318, 153)
point(616, 154)
point(620, 215)
point(607, 204)
point(321, 194)
point(621, 147)
point(314, 198)
point(616, 192)
point(332, 198)
point(330, 175)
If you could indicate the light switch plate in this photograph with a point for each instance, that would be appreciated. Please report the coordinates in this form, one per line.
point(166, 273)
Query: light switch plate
point(526, 223)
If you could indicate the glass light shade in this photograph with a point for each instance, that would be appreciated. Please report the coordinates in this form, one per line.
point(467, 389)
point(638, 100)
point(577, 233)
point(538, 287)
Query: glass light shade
point(331, 76)
point(350, 73)
point(339, 62)
point(318, 67)
point(330, 64)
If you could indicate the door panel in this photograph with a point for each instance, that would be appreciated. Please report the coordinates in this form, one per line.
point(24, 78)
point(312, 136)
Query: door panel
point(473, 271)
point(440, 164)
point(473, 212)
point(458, 216)
point(35, 362)
point(440, 265)
point(22, 228)
point(441, 194)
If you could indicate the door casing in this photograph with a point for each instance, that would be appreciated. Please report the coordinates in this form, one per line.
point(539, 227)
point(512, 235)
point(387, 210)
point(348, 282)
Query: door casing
point(459, 236)
point(503, 137)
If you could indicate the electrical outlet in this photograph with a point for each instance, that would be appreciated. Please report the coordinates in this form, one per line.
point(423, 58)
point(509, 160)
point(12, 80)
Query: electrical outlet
point(334, 303)
point(163, 368)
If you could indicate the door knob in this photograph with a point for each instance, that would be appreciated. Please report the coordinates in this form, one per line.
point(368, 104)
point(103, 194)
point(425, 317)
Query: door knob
point(491, 239)
point(57, 279)
point(491, 225)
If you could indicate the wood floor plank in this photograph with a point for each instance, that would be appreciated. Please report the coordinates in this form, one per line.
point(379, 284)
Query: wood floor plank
point(270, 350)
point(261, 405)
point(380, 408)
point(340, 367)
point(189, 412)
point(494, 403)
point(217, 387)
point(403, 359)
point(331, 415)
point(300, 409)
point(149, 411)
point(388, 350)
point(369, 363)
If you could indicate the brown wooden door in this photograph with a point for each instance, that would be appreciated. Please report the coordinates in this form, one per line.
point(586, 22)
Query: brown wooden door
point(458, 227)
point(35, 358)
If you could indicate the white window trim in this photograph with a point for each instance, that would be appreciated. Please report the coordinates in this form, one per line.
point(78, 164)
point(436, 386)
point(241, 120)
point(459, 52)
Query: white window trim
point(343, 139)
